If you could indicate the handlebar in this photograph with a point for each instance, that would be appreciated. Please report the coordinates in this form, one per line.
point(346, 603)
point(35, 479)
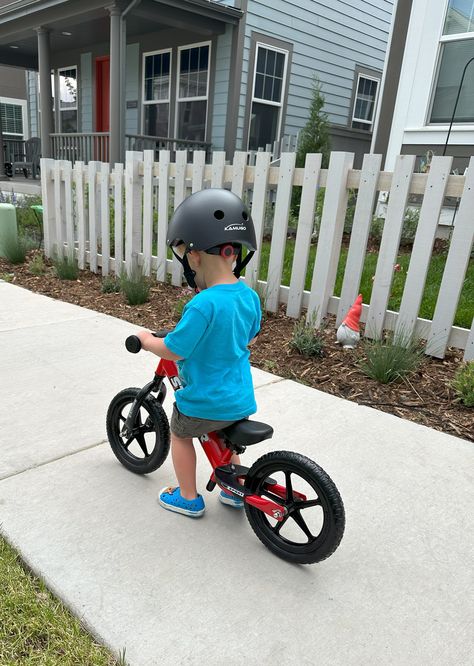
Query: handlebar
point(133, 344)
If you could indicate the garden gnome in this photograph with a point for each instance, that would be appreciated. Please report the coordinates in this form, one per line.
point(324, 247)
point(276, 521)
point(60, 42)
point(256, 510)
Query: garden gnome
point(348, 334)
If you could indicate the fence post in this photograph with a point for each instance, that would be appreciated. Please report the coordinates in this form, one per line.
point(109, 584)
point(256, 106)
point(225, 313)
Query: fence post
point(360, 233)
point(105, 216)
point(69, 217)
point(148, 159)
point(47, 197)
point(118, 217)
point(330, 235)
point(303, 235)
point(179, 196)
point(133, 210)
point(218, 165)
point(163, 211)
point(469, 351)
point(58, 208)
point(262, 171)
point(454, 270)
point(238, 173)
point(80, 213)
point(280, 227)
point(423, 246)
point(389, 245)
point(93, 215)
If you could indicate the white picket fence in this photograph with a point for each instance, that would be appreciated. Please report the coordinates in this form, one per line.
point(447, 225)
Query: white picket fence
point(78, 202)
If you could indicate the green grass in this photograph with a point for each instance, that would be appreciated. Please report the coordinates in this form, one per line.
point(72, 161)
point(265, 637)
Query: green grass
point(465, 310)
point(35, 628)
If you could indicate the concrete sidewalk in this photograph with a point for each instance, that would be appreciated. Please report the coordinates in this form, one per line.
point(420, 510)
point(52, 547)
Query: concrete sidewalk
point(175, 591)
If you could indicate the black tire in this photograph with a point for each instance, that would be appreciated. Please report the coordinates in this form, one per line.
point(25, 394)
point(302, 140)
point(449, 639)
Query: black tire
point(319, 546)
point(156, 422)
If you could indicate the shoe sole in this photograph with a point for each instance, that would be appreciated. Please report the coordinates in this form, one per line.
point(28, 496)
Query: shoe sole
point(231, 502)
point(178, 509)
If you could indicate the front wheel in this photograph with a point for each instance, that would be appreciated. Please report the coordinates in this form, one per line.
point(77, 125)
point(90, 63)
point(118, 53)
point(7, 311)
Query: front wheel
point(148, 445)
point(314, 524)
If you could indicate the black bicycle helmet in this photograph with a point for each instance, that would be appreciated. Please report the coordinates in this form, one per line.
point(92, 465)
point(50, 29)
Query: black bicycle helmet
point(208, 221)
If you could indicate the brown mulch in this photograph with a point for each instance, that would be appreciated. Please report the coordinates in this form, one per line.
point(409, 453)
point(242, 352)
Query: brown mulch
point(424, 397)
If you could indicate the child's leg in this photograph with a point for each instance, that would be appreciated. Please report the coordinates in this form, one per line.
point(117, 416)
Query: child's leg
point(184, 461)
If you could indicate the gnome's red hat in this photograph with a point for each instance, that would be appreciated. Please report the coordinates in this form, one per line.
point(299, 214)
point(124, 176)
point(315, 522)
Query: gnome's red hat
point(353, 316)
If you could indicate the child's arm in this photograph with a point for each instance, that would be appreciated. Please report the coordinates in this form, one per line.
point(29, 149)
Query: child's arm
point(156, 346)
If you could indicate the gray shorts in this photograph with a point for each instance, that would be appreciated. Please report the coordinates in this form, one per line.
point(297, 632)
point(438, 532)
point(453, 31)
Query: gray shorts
point(188, 426)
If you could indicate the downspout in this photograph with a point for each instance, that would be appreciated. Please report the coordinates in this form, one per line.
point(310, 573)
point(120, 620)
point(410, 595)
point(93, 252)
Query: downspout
point(123, 61)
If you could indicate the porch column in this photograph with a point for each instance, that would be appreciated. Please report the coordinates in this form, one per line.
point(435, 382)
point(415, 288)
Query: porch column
point(116, 101)
point(46, 95)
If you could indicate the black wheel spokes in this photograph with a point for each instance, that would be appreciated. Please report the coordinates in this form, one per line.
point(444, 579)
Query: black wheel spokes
point(294, 507)
point(141, 443)
point(138, 433)
point(299, 520)
point(276, 528)
point(289, 487)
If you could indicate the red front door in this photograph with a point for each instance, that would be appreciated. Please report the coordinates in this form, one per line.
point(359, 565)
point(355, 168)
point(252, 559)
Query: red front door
point(102, 94)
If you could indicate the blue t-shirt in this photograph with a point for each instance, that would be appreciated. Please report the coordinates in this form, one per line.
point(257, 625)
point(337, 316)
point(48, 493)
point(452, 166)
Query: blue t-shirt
point(212, 338)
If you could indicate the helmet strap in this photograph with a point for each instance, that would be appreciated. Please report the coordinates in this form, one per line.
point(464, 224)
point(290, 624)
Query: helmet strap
point(241, 264)
point(188, 271)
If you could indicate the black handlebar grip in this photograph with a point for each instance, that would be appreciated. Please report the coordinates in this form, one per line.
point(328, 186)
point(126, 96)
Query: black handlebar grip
point(160, 334)
point(133, 344)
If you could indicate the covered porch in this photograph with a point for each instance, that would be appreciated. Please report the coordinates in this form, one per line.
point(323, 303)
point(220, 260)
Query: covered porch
point(129, 76)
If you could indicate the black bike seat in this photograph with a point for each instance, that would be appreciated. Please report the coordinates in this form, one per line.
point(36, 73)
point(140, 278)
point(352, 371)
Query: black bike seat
point(247, 432)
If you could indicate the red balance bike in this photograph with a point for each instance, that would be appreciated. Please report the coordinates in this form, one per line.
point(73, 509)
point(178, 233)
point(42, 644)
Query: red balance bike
point(291, 503)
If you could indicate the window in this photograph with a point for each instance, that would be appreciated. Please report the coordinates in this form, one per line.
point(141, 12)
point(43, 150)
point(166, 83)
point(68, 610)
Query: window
point(459, 17)
point(193, 91)
point(456, 50)
point(67, 84)
point(267, 97)
point(156, 93)
point(11, 116)
point(365, 102)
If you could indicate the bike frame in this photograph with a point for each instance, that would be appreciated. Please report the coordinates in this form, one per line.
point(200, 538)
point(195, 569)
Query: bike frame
point(225, 474)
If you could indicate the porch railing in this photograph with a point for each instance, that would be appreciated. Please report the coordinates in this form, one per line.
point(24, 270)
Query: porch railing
point(13, 150)
point(85, 147)
point(94, 146)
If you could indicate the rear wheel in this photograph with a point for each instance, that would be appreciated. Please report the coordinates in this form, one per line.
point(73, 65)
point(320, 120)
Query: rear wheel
point(313, 526)
point(146, 448)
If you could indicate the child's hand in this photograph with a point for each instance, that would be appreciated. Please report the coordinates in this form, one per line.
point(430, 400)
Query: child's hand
point(144, 339)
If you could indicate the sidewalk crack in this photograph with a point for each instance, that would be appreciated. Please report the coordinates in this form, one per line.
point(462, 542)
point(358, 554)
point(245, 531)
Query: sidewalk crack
point(52, 460)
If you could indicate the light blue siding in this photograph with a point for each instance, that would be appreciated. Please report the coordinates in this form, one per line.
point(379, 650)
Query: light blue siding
point(132, 87)
point(329, 40)
point(85, 93)
point(32, 99)
point(222, 57)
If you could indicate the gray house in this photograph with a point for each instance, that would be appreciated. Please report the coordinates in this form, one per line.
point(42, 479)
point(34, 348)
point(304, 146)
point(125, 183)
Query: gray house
point(228, 74)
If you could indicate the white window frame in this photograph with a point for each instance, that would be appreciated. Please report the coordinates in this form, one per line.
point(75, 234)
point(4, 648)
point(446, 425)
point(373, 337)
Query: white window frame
point(192, 99)
point(444, 39)
point(24, 115)
point(161, 101)
point(57, 99)
point(259, 100)
point(369, 123)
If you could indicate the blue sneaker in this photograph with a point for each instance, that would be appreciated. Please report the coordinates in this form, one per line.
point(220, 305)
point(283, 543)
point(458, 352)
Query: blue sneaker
point(170, 498)
point(231, 500)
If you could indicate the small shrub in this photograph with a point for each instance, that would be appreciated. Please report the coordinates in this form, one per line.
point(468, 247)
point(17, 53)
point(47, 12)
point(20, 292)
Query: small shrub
point(387, 360)
point(463, 384)
point(110, 285)
point(6, 277)
point(135, 286)
point(307, 340)
point(16, 249)
point(37, 265)
point(66, 267)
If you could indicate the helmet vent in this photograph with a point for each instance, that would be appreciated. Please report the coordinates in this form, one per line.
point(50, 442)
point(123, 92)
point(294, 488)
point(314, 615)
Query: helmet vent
point(245, 216)
point(219, 214)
